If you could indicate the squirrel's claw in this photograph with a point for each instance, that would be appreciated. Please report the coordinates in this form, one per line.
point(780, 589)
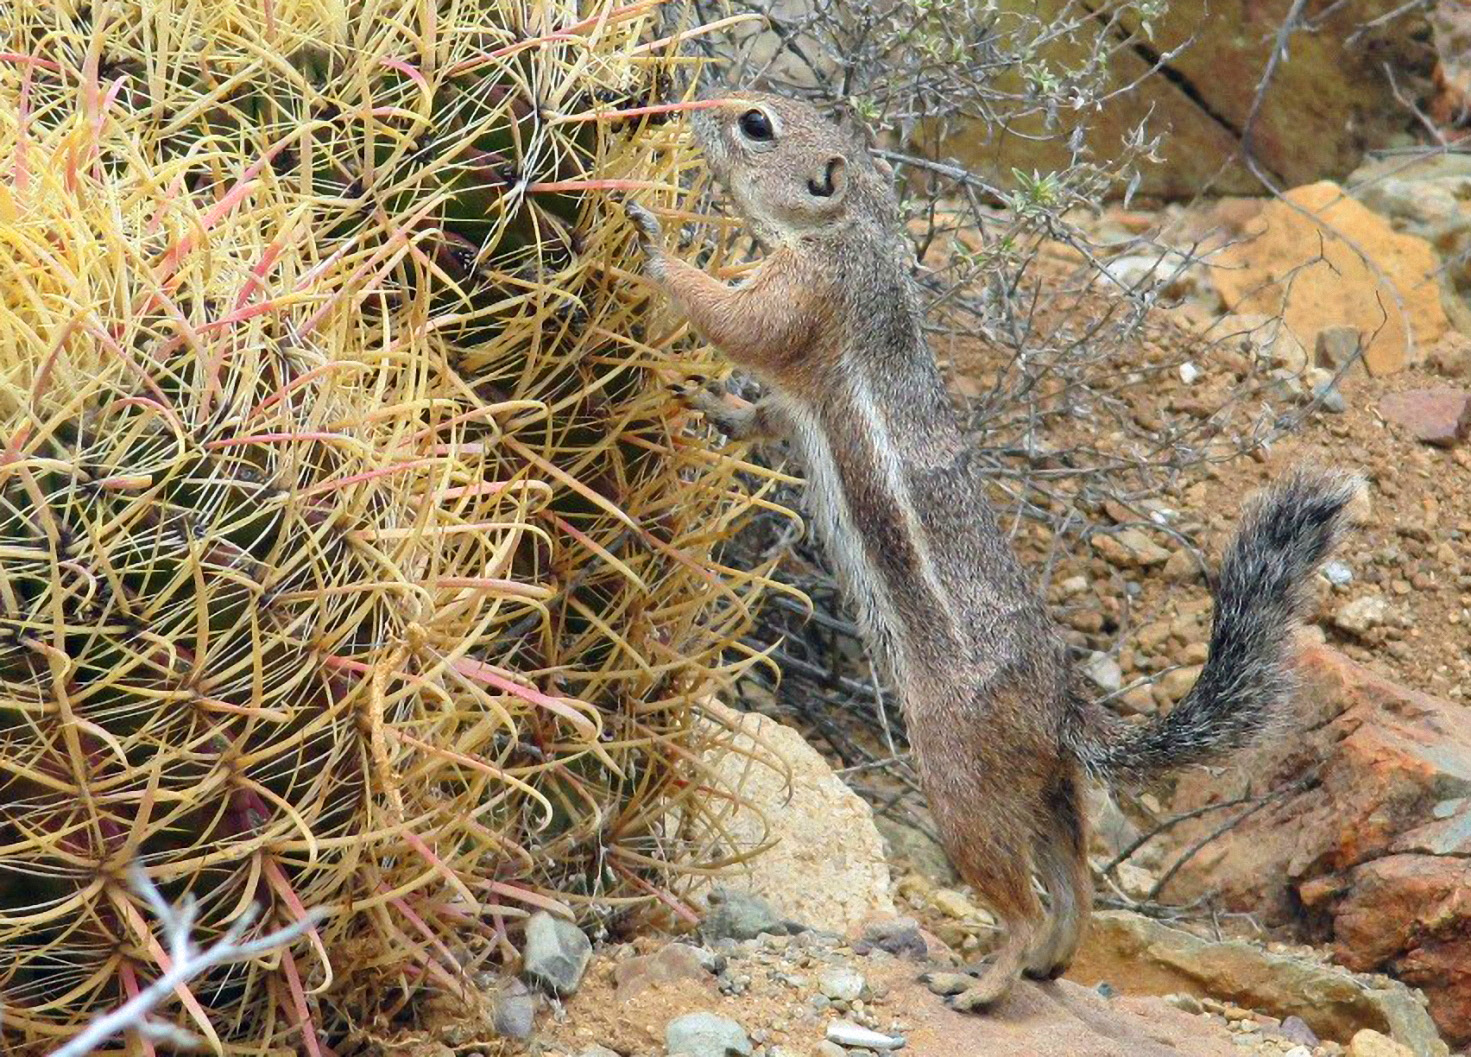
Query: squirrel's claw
point(692, 391)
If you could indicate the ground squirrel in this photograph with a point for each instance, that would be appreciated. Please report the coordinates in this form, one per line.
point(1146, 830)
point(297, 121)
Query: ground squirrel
point(1003, 732)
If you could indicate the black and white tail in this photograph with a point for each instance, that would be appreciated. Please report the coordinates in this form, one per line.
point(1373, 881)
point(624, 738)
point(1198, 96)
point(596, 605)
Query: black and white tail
point(1263, 594)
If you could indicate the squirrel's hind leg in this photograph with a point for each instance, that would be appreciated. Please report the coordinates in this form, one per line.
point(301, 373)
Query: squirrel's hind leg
point(1006, 887)
point(1062, 865)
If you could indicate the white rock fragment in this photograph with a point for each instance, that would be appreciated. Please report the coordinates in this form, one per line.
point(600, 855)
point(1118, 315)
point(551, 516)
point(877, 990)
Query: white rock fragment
point(846, 1033)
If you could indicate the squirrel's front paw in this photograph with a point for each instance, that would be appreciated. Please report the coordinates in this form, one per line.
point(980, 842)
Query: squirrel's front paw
point(648, 226)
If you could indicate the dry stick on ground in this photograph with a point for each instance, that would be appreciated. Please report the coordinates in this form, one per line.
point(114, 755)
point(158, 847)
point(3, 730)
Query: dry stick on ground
point(187, 961)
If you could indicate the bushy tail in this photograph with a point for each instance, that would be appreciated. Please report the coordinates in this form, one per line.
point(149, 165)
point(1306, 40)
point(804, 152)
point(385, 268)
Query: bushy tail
point(1284, 538)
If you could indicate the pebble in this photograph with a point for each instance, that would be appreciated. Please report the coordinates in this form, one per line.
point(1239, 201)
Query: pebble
point(1181, 568)
point(1338, 573)
point(706, 1035)
point(556, 953)
point(953, 904)
point(897, 936)
point(830, 1049)
point(598, 1051)
point(1362, 615)
point(1189, 373)
point(1295, 1029)
point(1370, 1043)
point(1298, 1051)
point(1073, 585)
point(738, 915)
point(1177, 684)
point(514, 1011)
point(846, 1033)
point(1104, 671)
point(841, 984)
point(1129, 549)
point(1186, 1003)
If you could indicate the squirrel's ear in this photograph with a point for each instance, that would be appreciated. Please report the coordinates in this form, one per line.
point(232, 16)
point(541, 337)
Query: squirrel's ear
point(829, 181)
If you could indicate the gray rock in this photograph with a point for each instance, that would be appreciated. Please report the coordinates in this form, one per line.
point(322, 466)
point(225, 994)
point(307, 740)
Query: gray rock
point(599, 1051)
point(841, 984)
point(1338, 573)
point(706, 1035)
point(1104, 671)
point(738, 915)
point(846, 1033)
point(897, 936)
point(1295, 1029)
point(1362, 615)
point(514, 1011)
point(556, 954)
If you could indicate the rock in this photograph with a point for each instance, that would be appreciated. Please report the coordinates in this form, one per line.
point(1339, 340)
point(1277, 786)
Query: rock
point(840, 983)
point(1129, 549)
point(1104, 671)
point(1324, 108)
point(1366, 851)
point(1338, 573)
point(1182, 568)
point(1295, 1029)
point(1339, 290)
point(514, 1011)
point(1265, 338)
point(1189, 373)
point(1360, 509)
point(1323, 389)
point(922, 851)
point(1451, 356)
point(1145, 955)
point(706, 1035)
point(599, 1051)
point(1073, 586)
point(1369, 1043)
point(735, 914)
point(1432, 416)
point(846, 1033)
point(957, 905)
point(1177, 683)
point(1337, 346)
point(901, 937)
point(1167, 272)
point(1412, 914)
point(556, 953)
point(830, 1049)
point(828, 867)
point(1135, 880)
point(670, 964)
point(1362, 615)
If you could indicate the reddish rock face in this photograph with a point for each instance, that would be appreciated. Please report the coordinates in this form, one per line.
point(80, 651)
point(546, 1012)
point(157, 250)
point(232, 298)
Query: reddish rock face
point(1434, 416)
point(1367, 840)
point(1411, 914)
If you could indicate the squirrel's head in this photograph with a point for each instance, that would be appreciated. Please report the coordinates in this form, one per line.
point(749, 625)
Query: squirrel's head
point(791, 171)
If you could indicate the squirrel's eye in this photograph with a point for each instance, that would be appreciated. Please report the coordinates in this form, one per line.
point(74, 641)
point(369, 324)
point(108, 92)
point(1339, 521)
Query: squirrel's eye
point(756, 125)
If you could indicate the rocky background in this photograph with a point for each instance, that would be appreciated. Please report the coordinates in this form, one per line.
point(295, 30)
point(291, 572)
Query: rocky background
point(1315, 897)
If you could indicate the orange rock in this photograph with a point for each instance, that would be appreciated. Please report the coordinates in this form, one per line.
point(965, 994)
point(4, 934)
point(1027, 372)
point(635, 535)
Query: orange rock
point(1339, 290)
point(1408, 913)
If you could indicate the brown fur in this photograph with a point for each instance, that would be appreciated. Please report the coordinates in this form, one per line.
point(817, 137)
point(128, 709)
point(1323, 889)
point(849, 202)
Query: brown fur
point(831, 323)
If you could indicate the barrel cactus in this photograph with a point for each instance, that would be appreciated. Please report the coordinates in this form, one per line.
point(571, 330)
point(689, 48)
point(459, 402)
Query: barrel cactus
point(352, 554)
